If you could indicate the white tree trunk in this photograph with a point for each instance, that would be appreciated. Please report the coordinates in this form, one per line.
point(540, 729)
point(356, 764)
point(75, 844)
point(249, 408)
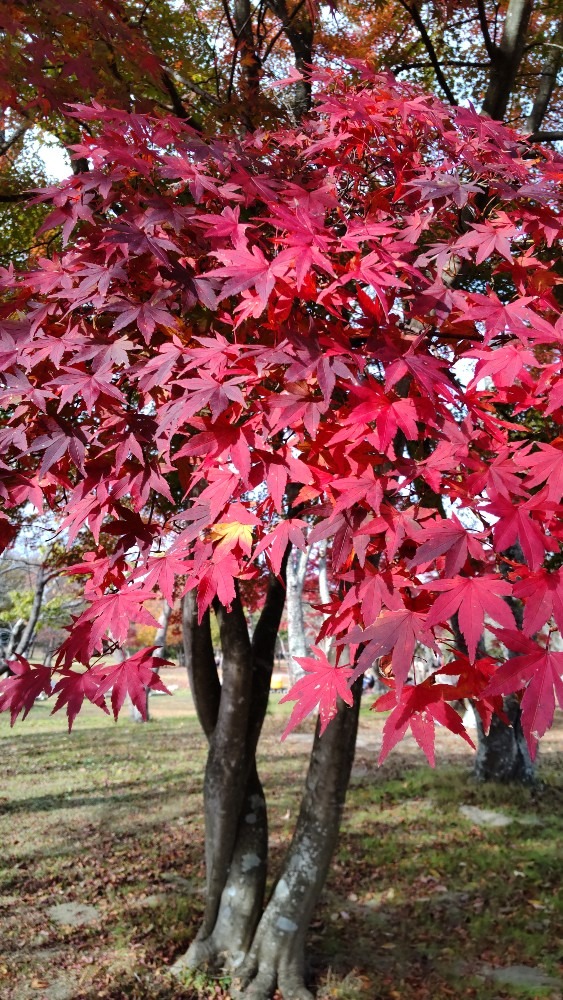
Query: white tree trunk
point(296, 639)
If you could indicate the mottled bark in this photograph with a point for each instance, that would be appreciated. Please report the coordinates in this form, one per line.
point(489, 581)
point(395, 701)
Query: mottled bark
point(502, 753)
point(232, 714)
point(160, 645)
point(277, 955)
point(23, 632)
point(267, 946)
point(250, 62)
point(296, 638)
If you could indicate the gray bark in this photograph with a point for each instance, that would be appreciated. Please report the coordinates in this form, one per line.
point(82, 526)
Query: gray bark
point(160, 645)
point(502, 753)
point(23, 632)
point(236, 834)
point(250, 63)
point(296, 639)
point(266, 946)
point(277, 955)
point(548, 79)
point(299, 32)
point(506, 58)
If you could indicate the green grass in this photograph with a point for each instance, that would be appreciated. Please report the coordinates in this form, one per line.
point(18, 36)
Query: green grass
point(417, 901)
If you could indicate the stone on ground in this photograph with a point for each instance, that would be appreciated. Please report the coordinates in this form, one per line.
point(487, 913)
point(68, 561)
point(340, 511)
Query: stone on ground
point(73, 914)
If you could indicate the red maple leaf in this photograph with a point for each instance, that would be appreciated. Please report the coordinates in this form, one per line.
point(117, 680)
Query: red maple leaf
point(547, 467)
point(472, 597)
point(515, 523)
point(131, 677)
point(447, 536)
point(396, 631)
point(539, 671)
point(73, 688)
point(322, 685)
point(18, 693)
point(542, 593)
point(419, 707)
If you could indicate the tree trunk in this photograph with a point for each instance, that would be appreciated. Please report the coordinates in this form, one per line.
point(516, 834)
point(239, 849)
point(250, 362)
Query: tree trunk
point(299, 31)
point(250, 63)
point(266, 947)
point(296, 639)
point(502, 753)
point(506, 58)
point(277, 956)
point(547, 81)
point(160, 645)
point(24, 632)
point(231, 716)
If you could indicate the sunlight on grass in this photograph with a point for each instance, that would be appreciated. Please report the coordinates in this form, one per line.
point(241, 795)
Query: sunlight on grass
point(419, 902)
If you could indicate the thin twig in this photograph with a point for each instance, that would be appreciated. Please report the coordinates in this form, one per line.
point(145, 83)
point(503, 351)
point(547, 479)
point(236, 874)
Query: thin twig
point(427, 42)
point(285, 23)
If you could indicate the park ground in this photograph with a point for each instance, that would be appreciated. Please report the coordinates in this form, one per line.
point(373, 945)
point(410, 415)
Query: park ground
point(102, 879)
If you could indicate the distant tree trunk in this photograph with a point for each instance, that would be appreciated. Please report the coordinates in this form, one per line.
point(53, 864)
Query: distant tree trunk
point(296, 638)
point(502, 753)
point(250, 64)
point(23, 632)
point(160, 646)
point(299, 31)
point(547, 82)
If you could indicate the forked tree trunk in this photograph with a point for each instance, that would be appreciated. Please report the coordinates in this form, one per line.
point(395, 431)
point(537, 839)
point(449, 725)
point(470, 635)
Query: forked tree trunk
point(22, 637)
point(231, 716)
point(264, 947)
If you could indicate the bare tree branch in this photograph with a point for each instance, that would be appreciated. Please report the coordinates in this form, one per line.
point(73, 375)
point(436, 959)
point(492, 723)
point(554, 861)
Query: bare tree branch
point(8, 143)
point(546, 137)
point(489, 44)
point(414, 13)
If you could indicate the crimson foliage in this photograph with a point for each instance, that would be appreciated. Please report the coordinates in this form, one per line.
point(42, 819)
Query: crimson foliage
point(364, 308)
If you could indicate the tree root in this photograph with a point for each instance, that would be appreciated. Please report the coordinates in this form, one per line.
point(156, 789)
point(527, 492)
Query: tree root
point(201, 954)
point(259, 982)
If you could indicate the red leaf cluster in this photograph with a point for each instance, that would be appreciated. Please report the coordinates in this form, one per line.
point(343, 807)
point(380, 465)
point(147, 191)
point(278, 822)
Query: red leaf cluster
point(362, 313)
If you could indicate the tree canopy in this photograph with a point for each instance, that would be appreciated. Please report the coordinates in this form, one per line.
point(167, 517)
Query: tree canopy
point(353, 323)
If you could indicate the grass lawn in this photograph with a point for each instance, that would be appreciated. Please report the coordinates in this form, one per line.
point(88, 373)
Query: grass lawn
point(421, 903)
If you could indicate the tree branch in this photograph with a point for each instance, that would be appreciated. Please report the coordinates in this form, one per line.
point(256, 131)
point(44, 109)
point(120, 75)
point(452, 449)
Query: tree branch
point(507, 58)
point(11, 197)
point(489, 44)
point(8, 143)
point(194, 87)
point(428, 45)
point(548, 79)
point(546, 137)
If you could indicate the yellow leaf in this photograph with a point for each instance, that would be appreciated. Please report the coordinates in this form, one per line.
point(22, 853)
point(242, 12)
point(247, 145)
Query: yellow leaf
point(231, 533)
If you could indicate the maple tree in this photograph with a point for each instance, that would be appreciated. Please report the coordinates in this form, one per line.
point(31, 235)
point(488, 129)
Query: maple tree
point(295, 336)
